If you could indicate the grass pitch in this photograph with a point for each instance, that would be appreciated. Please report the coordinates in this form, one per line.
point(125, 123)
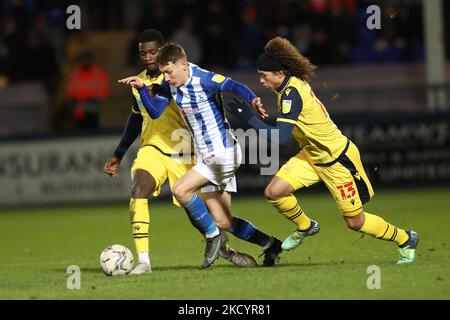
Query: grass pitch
point(37, 245)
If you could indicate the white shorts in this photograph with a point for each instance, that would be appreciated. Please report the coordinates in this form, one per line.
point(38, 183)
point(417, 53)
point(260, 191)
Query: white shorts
point(219, 169)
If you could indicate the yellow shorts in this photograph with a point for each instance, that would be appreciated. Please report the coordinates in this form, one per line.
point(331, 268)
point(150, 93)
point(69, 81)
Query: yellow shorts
point(161, 167)
point(345, 178)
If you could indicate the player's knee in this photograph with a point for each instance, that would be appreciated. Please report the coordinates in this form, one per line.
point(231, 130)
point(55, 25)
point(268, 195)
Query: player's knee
point(140, 190)
point(354, 223)
point(143, 184)
point(180, 194)
point(177, 192)
point(272, 195)
point(353, 226)
point(137, 190)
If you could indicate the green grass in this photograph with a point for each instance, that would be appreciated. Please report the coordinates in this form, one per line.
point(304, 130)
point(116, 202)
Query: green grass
point(37, 245)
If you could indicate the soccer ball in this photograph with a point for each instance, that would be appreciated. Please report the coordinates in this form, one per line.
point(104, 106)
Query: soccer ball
point(116, 260)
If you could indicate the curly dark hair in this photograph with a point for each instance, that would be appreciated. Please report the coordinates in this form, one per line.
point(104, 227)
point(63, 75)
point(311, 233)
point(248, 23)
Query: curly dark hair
point(293, 61)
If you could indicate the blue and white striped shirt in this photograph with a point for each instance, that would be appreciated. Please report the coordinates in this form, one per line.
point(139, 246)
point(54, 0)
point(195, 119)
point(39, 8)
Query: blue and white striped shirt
point(199, 102)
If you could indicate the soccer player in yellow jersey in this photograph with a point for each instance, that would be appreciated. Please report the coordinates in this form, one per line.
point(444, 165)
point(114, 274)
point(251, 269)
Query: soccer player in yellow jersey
point(158, 158)
point(197, 93)
point(326, 154)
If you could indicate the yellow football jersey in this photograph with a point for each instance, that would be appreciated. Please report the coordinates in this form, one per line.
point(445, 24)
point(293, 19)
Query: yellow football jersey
point(314, 130)
point(158, 132)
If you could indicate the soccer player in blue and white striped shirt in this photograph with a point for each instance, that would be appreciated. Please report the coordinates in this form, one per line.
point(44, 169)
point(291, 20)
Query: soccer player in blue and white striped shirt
point(197, 93)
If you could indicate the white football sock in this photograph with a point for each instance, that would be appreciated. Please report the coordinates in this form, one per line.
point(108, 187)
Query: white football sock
point(215, 233)
point(144, 258)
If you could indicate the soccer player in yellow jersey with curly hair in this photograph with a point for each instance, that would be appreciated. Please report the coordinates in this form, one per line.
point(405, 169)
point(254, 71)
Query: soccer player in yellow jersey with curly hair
point(326, 154)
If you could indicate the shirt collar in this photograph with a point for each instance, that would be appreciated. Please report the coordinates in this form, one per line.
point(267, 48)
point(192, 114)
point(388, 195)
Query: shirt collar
point(156, 75)
point(190, 74)
point(283, 84)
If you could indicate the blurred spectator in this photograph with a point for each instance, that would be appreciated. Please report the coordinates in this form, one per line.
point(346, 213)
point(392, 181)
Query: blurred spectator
point(319, 51)
point(133, 52)
point(190, 41)
point(158, 14)
point(26, 53)
point(341, 33)
point(301, 37)
point(87, 87)
point(391, 45)
point(104, 15)
point(21, 11)
point(347, 6)
point(217, 47)
point(252, 38)
point(363, 49)
point(230, 32)
point(40, 56)
point(413, 26)
point(13, 51)
point(216, 33)
point(319, 6)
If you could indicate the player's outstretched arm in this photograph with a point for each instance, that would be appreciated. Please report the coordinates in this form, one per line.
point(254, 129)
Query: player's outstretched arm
point(154, 105)
point(133, 81)
point(243, 111)
point(230, 85)
point(284, 130)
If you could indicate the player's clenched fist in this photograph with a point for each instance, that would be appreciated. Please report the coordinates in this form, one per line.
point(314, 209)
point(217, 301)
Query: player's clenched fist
point(112, 166)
